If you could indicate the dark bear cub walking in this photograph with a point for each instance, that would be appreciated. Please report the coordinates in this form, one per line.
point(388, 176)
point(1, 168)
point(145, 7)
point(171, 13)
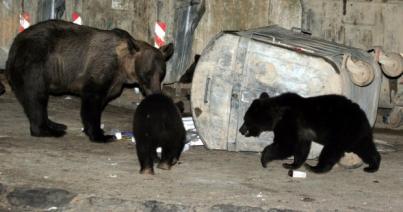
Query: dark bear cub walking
point(334, 121)
point(2, 88)
point(158, 123)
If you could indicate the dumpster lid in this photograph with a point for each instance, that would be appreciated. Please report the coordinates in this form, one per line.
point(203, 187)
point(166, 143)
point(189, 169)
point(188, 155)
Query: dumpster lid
point(302, 42)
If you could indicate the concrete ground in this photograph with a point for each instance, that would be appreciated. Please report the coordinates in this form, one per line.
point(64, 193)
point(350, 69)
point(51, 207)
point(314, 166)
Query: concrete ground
point(73, 174)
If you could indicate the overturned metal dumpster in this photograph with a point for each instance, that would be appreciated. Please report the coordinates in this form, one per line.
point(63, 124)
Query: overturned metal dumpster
point(237, 66)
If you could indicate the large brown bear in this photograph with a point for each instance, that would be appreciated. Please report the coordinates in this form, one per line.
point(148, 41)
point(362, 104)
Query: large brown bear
point(55, 57)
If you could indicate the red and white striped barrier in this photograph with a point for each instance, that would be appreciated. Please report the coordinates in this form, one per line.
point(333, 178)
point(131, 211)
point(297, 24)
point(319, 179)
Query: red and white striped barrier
point(160, 29)
point(76, 18)
point(24, 21)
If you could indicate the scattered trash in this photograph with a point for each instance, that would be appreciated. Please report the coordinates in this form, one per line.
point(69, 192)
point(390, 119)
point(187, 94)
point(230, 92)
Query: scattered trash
point(297, 174)
point(136, 90)
point(123, 135)
point(45, 177)
point(186, 147)
point(192, 137)
point(260, 195)
point(67, 97)
point(307, 199)
point(113, 176)
point(384, 146)
point(188, 123)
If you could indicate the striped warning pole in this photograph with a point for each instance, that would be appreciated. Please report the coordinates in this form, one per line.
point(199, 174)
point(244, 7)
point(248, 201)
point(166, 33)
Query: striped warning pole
point(75, 16)
point(160, 29)
point(24, 21)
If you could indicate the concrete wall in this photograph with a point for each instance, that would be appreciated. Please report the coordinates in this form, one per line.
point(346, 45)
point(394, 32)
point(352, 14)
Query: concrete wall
point(239, 15)
point(133, 16)
point(358, 23)
point(9, 22)
point(138, 16)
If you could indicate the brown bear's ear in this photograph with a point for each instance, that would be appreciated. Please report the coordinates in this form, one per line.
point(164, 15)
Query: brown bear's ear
point(264, 95)
point(167, 51)
point(133, 46)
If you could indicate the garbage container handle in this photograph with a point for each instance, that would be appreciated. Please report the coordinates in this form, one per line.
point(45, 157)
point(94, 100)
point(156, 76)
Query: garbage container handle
point(300, 30)
point(273, 39)
point(206, 90)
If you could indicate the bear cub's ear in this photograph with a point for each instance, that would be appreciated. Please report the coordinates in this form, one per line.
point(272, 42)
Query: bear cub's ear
point(181, 106)
point(264, 95)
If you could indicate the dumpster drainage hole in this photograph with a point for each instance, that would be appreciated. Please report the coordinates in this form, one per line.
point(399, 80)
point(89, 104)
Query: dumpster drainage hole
point(198, 111)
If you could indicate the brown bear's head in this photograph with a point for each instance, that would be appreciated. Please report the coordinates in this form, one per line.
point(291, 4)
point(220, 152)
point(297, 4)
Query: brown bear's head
point(262, 115)
point(144, 64)
point(150, 67)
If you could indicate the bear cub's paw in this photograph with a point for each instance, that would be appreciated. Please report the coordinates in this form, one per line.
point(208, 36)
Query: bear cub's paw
point(371, 169)
point(317, 169)
point(147, 171)
point(164, 166)
point(291, 166)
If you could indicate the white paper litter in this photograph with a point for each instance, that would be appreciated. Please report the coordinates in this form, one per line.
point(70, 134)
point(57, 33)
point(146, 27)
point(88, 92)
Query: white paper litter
point(192, 137)
point(297, 174)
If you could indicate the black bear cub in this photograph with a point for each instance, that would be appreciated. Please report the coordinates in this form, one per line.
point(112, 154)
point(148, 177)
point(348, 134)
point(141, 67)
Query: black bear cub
point(158, 123)
point(331, 120)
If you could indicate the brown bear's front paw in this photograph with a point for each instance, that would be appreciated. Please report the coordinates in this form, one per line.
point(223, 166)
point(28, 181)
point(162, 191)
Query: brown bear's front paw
point(102, 138)
point(47, 132)
point(56, 126)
